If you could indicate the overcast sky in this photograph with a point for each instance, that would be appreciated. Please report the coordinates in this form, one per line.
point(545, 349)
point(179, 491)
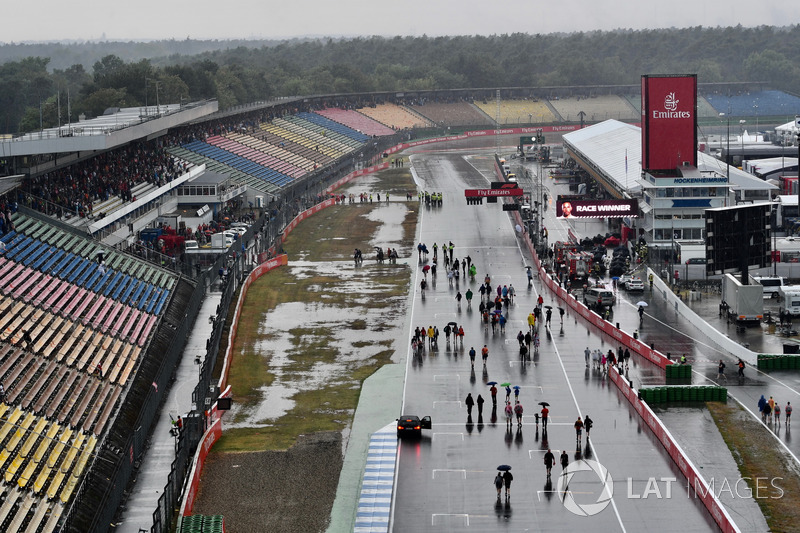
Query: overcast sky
point(54, 20)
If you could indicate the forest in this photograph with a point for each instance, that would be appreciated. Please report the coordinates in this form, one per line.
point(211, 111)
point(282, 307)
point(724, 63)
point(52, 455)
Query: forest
point(37, 80)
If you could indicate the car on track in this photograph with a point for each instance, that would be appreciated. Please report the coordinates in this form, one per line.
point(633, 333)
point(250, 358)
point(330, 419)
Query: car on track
point(634, 284)
point(412, 425)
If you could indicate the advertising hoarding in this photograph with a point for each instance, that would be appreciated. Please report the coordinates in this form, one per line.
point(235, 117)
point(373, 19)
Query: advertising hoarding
point(669, 121)
point(569, 208)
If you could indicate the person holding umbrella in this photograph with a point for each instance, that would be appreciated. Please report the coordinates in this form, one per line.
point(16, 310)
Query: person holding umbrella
point(498, 483)
point(493, 392)
point(545, 414)
point(508, 390)
point(516, 392)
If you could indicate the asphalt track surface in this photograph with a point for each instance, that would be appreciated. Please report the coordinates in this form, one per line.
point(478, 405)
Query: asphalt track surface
point(445, 479)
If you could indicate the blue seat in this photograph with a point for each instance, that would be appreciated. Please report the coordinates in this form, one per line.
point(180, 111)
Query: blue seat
point(81, 266)
point(102, 280)
point(32, 254)
point(73, 266)
point(121, 286)
point(29, 250)
point(92, 279)
point(145, 297)
point(8, 236)
point(125, 298)
point(58, 256)
point(161, 301)
point(134, 301)
point(45, 257)
point(64, 263)
point(80, 281)
point(113, 283)
point(18, 246)
point(153, 301)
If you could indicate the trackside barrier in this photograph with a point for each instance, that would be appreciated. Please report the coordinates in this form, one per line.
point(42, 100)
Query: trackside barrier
point(356, 174)
point(681, 460)
point(260, 270)
point(210, 437)
point(607, 328)
point(716, 336)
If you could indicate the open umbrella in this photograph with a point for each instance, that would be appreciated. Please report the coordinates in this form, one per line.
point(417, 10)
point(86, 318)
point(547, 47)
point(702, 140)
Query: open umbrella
point(453, 324)
point(615, 278)
point(490, 383)
point(642, 303)
point(426, 268)
point(548, 306)
point(544, 404)
point(516, 387)
point(504, 468)
point(505, 384)
point(496, 312)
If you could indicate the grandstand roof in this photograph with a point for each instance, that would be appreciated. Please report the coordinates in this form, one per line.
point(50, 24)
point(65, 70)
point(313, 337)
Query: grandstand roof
point(8, 183)
point(108, 131)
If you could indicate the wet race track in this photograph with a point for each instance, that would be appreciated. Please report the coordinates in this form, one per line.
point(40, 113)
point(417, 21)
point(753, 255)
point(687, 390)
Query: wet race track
point(445, 479)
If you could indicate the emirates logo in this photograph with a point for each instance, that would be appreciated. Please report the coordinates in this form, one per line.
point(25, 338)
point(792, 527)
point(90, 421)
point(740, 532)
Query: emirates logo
point(670, 102)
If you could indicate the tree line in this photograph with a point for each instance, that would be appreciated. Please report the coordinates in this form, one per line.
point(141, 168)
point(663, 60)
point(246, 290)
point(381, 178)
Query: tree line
point(34, 93)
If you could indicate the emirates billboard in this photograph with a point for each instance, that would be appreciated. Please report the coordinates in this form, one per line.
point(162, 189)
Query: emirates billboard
point(669, 121)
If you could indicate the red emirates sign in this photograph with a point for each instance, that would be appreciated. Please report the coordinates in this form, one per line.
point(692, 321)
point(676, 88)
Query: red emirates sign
point(478, 193)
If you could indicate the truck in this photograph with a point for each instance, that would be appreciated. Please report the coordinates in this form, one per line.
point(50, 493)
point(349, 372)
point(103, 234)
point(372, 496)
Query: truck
point(790, 299)
point(743, 303)
point(689, 250)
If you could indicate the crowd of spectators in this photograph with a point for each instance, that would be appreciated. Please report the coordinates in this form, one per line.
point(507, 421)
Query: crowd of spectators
point(76, 187)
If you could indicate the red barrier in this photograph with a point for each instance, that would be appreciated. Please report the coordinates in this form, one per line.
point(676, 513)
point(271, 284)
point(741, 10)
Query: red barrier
point(256, 273)
point(362, 172)
point(676, 453)
point(211, 436)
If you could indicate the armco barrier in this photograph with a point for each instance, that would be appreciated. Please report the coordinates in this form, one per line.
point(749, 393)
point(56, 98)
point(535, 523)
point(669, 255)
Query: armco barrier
point(260, 270)
point(687, 468)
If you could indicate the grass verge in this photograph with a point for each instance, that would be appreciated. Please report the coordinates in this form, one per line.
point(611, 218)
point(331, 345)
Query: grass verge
point(328, 406)
point(754, 450)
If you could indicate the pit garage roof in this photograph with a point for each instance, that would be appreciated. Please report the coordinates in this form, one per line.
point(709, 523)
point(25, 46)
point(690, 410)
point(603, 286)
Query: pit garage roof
point(611, 152)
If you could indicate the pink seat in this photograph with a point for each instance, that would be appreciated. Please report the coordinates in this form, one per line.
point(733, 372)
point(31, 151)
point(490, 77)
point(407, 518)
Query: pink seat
point(146, 331)
point(121, 321)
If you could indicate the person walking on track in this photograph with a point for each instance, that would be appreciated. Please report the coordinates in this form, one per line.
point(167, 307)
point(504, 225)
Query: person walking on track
point(549, 459)
point(469, 403)
point(578, 430)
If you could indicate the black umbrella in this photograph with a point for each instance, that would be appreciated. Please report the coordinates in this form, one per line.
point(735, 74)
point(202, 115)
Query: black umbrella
point(544, 404)
point(453, 324)
point(504, 468)
point(548, 306)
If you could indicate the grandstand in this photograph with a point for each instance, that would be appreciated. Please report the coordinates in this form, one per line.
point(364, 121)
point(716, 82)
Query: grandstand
point(456, 113)
point(596, 108)
point(755, 104)
point(76, 319)
point(356, 121)
point(519, 111)
point(395, 116)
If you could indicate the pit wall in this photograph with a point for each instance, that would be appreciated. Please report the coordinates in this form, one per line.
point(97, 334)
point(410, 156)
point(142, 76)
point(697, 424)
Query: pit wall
point(679, 457)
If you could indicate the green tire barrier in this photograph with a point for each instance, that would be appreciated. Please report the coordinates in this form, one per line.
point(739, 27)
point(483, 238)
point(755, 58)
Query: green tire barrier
point(201, 524)
point(778, 361)
point(678, 394)
point(675, 371)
